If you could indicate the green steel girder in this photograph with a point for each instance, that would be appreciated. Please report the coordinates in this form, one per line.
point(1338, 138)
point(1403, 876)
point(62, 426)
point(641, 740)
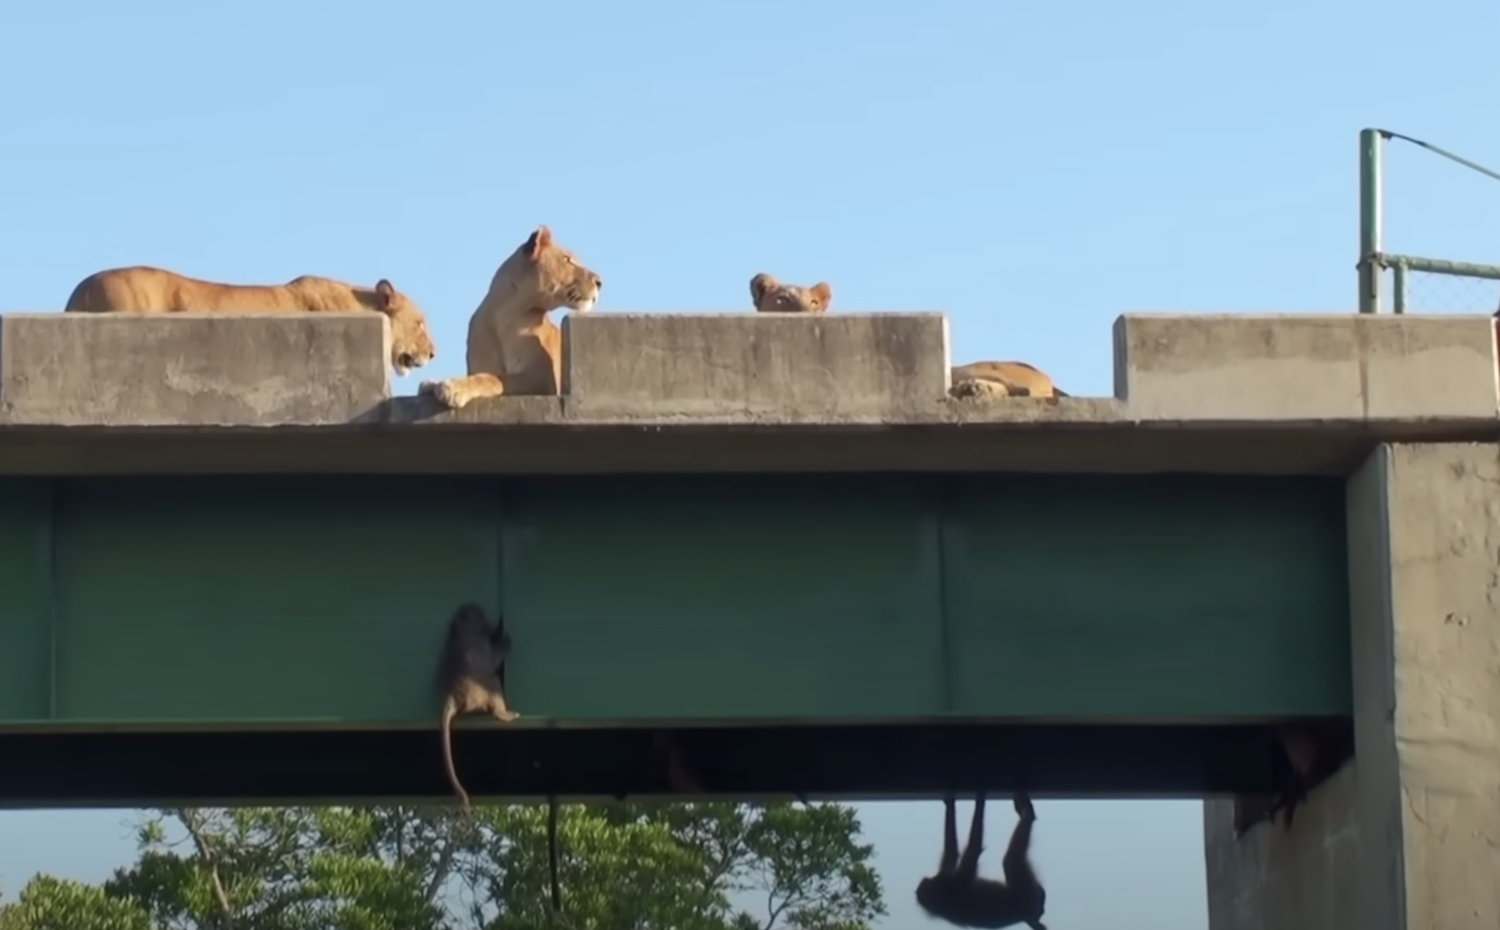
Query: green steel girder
point(296, 602)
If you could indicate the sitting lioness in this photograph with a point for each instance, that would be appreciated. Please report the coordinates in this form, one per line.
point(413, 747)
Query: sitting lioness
point(771, 296)
point(154, 290)
point(1002, 379)
point(513, 347)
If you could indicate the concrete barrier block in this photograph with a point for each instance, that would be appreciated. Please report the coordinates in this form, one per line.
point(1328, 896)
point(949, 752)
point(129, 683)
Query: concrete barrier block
point(802, 368)
point(1306, 366)
point(77, 369)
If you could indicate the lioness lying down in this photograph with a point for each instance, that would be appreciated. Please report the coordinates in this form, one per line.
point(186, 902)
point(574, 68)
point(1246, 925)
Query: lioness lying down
point(513, 347)
point(975, 380)
point(154, 290)
point(1002, 379)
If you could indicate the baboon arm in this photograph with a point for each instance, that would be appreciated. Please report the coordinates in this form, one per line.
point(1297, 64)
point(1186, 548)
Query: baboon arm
point(968, 866)
point(499, 647)
point(499, 640)
point(950, 836)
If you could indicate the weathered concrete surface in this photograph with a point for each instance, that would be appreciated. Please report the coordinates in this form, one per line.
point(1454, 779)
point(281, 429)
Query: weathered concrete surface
point(573, 446)
point(1420, 846)
point(73, 369)
point(1306, 366)
point(799, 367)
point(1303, 878)
point(143, 395)
point(1426, 647)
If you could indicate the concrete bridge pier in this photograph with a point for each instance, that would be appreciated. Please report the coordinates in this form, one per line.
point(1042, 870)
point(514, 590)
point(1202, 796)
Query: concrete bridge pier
point(1406, 836)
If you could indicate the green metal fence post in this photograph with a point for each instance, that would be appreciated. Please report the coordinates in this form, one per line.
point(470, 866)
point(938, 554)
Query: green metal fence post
point(1398, 287)
point(1371, 146)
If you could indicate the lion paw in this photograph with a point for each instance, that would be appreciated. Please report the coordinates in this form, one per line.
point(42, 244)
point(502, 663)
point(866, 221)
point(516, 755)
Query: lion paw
point(976, 388)
point(446, 393)
point(506, 716)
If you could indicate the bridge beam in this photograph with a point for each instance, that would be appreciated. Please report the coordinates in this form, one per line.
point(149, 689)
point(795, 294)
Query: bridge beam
point(1404, 837)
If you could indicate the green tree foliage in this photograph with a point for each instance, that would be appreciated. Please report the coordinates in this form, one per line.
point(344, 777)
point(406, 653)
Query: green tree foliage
point(622, 867)
point(48, 903)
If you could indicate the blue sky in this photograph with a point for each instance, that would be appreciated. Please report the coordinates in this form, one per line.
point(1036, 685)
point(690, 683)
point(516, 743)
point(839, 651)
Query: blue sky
point(1031, 169)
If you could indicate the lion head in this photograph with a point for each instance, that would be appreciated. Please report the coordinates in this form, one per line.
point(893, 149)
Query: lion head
point(411, 344)
point(771, 296)
point(542, 275)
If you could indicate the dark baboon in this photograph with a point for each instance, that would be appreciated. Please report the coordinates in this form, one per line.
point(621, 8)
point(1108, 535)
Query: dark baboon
point(959, 896)
point(470, 675)
point(1314, 752)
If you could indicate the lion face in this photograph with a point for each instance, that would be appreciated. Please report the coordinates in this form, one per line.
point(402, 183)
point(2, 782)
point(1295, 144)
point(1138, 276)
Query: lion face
point(555, 276)
point(771, 296)
point(411, 343)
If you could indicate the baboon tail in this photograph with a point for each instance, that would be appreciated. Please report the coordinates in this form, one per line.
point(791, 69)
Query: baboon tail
point(450, 710)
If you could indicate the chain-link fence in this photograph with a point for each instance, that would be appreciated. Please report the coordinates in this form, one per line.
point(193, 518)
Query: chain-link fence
point(1414, 284)
point(1424, 285)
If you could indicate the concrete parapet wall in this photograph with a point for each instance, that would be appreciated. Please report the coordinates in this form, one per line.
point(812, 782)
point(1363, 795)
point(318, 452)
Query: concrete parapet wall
point(75, 369)
point(884, 365)
point(1435, 375)
point(1305, 366)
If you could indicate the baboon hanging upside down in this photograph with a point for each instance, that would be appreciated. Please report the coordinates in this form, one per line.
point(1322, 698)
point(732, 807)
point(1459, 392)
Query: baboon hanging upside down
point(959, 896)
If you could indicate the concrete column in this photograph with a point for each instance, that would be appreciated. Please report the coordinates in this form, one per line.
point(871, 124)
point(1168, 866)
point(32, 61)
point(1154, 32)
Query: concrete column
point(1407, 837)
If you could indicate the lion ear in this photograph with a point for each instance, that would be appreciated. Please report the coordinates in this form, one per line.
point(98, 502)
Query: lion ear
point(824, 292)
point(387, 292)
point(759, 286)
point(540, 241)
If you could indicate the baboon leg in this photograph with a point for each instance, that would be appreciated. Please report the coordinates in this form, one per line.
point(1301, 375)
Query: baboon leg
point(499, 709)
point(1017, 862)
point(968, 865)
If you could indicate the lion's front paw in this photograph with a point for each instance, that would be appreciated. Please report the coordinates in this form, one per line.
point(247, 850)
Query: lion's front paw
point(977, 388)
point(446, 393)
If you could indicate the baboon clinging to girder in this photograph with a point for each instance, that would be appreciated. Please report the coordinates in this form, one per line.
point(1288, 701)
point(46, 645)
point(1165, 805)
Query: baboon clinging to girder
point(958, 895)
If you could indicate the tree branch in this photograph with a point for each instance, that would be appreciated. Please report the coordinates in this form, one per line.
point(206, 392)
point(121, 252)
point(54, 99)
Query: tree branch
point(441, 869)
point(189, 818)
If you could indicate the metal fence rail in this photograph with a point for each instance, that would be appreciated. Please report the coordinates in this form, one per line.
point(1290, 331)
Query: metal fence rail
point(1416, 282)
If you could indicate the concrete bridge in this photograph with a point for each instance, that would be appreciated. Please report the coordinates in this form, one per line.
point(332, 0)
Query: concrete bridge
point(228, 556)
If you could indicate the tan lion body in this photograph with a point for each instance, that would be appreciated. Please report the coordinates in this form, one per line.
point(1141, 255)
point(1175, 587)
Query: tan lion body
point(1002, 379)
point(142, 289)
point(513, 348)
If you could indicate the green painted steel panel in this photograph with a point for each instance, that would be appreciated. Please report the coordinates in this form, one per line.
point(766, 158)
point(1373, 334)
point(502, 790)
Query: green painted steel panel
point(1169, 596)
point(26, 593)
point(705, 597)
point(272, 598)
point(311, 599)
